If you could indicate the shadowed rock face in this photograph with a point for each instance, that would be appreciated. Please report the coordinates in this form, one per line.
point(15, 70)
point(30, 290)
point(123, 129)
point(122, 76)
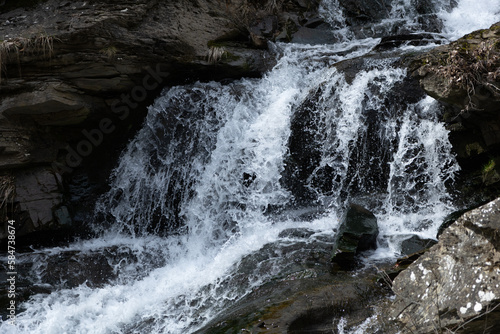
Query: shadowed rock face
point(456, 280)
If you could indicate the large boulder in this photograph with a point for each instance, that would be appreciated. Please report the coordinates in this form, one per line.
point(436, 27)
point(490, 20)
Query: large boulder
point(456, 280)
point(357, 234)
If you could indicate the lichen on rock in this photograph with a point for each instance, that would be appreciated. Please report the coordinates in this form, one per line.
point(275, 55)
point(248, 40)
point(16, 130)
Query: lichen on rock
point(456, 280)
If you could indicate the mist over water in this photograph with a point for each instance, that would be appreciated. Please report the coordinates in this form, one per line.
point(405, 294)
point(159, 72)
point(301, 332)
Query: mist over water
point(200, 190)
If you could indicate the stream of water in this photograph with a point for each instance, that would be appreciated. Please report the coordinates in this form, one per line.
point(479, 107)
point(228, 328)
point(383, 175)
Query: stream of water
point(201, 186)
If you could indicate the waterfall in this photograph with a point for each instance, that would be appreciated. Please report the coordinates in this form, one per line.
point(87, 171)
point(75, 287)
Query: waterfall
point(205, 199)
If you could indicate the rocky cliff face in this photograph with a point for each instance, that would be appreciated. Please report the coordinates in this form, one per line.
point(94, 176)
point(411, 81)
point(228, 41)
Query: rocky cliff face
point(76, 78)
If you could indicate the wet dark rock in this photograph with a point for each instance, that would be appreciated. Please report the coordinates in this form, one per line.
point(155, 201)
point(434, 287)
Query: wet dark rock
point(300, 213)
point(306, 255)
point(374, 19)
point(361, 225)
point(314, 22)
point(358, 233)
point(75, 269)
point(456, 280)
point(427, 18)
point(303, 305)
point(46, 272)
point(416, 244)
point(390, 42)
point(305, 150)
point(365, 11)
point(296, 233)
point(305, 175)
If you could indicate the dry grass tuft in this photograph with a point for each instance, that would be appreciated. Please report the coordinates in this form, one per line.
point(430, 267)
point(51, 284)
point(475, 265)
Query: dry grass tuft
point(215, 54)
point(469, 66)
point(109, 52)
point(40, 45)
point(7, 190)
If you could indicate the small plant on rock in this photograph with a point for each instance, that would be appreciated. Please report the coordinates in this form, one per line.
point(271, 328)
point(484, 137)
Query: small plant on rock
point(7, 192)
point(40, 45)
point(109, 52)
point(489, 166)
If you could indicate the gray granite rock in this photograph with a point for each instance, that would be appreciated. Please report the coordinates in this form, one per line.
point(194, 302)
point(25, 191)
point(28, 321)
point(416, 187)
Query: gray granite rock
point(456, 280)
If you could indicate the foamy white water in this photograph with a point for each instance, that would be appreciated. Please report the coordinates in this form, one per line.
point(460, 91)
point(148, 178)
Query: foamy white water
point(192, 197)
point(470, 15)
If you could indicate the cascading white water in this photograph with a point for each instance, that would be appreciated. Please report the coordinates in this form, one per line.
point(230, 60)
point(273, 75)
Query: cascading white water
point(199, 192)
point(421, 167)
point(344, 123)
point(469, 15)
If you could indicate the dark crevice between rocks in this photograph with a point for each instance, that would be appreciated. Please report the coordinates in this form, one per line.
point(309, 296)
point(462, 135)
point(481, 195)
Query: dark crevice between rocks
point(478, 181)
point(9, 5)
